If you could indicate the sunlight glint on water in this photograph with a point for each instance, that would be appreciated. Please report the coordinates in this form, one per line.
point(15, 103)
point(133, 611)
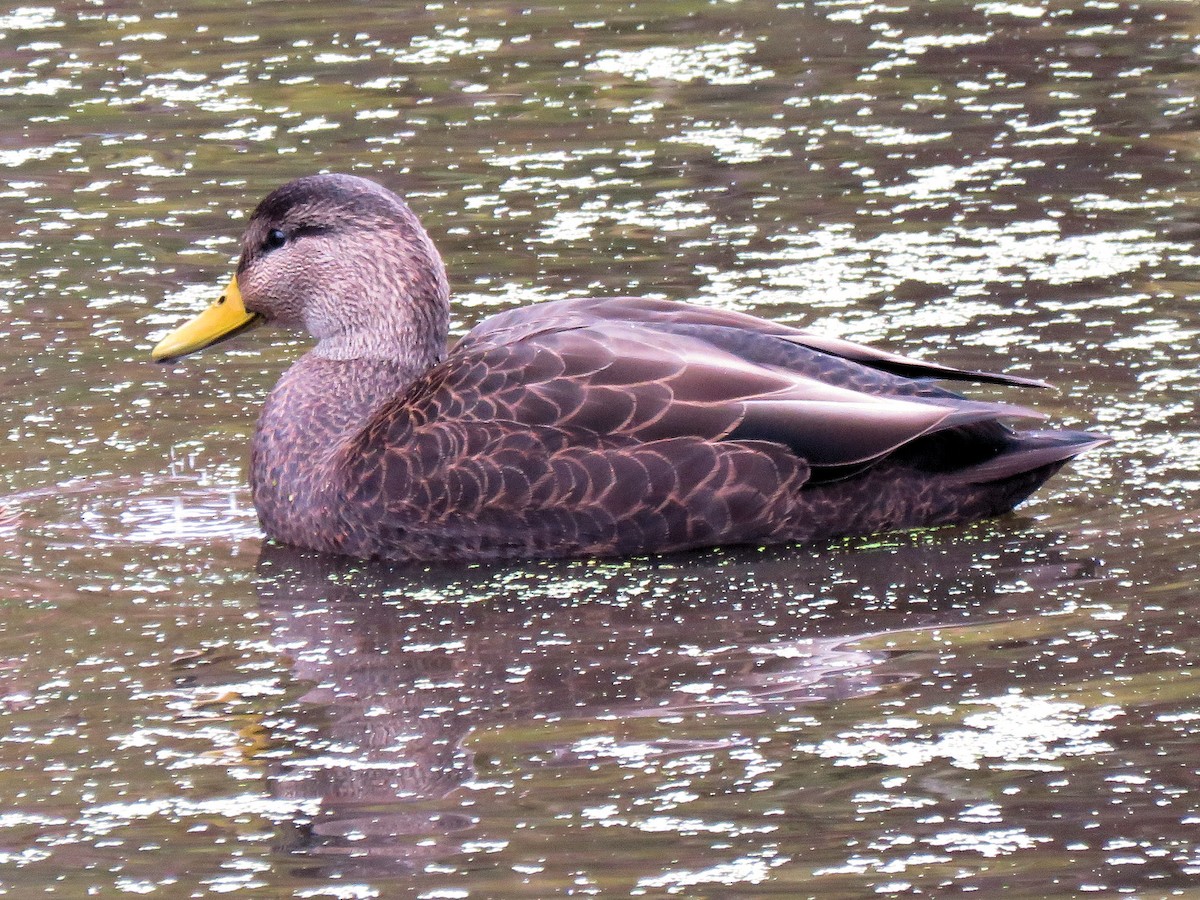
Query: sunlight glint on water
point(1003, 708)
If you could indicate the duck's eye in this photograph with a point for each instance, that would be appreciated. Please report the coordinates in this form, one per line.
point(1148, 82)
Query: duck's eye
point(275, 239)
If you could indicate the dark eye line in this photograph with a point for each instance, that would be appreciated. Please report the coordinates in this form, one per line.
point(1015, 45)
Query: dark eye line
point(277, 237)
point(306, 230)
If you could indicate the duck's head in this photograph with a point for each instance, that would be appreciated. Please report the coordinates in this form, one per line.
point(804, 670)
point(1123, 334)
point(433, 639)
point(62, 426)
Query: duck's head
point(337, 256)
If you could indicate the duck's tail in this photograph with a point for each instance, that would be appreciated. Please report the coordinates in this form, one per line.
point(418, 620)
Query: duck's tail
point(925, 487)
point(1029, 452)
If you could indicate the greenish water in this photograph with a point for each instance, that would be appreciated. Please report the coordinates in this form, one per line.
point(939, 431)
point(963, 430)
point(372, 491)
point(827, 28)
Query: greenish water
point(1007, 709)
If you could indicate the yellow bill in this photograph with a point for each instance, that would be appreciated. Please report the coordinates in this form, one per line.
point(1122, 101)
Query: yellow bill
point(222, 320)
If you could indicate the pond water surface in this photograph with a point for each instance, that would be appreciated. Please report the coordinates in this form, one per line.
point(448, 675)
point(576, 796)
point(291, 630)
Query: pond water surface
point(1009, 708)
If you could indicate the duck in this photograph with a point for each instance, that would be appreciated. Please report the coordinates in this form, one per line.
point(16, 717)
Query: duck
point(597, 426)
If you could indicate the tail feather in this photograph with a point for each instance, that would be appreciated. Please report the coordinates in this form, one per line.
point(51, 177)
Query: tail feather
point(1032, 450)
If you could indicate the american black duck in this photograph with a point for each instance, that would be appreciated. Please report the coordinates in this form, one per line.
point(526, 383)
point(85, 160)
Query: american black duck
point(591, 426)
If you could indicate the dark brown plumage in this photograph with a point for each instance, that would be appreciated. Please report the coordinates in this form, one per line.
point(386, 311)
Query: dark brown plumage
point(595, 426)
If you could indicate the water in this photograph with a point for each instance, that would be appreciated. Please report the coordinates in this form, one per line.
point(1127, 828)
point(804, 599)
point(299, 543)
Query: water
point(1005, 707)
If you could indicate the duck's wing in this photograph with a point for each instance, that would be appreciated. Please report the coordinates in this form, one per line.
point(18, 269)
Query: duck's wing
point(648, 371)
point(619, 427)
point(760, 339)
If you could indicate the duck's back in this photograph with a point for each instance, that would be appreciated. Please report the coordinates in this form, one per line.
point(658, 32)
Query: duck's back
point(633, 426)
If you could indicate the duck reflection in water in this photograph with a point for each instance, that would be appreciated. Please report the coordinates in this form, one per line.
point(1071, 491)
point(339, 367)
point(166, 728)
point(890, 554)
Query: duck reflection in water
point(402, 668)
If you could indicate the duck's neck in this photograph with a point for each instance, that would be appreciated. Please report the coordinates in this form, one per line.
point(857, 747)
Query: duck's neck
point(410, 338)
point(318, 405)
point(397, 311)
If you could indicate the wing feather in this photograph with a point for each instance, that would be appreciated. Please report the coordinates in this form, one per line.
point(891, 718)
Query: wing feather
point(675, 318)
point(652, 370)
point(601, 425)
